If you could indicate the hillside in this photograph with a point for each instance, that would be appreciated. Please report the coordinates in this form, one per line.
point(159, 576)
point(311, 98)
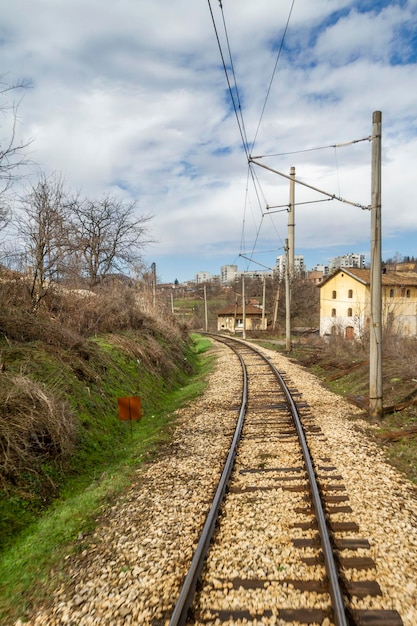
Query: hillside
point(59, 426)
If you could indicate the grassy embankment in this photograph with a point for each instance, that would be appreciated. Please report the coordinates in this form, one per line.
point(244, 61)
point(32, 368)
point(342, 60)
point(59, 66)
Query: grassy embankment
point(59, 491)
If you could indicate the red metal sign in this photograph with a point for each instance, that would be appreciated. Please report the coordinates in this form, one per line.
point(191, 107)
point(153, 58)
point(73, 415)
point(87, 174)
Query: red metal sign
point(129, 408)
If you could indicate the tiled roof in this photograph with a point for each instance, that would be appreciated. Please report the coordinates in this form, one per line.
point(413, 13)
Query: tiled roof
point(402, 279)
point(231, 309)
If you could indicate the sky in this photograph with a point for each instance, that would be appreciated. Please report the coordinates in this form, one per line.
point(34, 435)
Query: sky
point(130, 97)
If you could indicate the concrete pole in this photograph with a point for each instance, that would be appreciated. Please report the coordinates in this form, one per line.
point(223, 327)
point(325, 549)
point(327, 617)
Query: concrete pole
point(375, 330)
point(291, 225)
point(205, 309)
point(289, 259)
point(276, 301)
point(287, 301)
point(243, 307)
point(263, 304)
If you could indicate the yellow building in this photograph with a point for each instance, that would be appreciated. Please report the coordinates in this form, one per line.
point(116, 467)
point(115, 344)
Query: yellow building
point(231, 318)
point(345, 302)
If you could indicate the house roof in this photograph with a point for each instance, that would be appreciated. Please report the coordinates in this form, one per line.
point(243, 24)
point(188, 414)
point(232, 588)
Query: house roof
point(400, 278)
point(389, 278)
point(232, 309)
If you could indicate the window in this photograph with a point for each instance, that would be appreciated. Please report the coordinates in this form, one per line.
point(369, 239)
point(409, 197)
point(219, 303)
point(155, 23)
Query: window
point(334, 295)
point(408, 293)
point(391, 293)
point(349, 312)
point(350, 293)
point(333, 312)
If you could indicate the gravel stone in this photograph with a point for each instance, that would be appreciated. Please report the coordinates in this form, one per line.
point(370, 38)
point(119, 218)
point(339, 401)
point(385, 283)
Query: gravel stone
point(132, 566)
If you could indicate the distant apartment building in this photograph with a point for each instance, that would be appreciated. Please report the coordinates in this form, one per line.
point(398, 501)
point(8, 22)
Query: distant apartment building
point(228, 274)
point(256, 274)
point(202, 277)
point(321, 268)
point(347, 260)
point(317, 274)
point(299, 267)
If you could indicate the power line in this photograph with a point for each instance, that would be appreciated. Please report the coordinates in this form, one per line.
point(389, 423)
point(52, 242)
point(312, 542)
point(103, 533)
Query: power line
point(334, 145)
point(234, 79)
point(285, 207)
point(273, 73)
point(241, 128)
point(300, 182)
point(256, 262)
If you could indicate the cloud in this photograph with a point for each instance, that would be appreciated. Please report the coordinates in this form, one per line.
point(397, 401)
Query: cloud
point(132, 97)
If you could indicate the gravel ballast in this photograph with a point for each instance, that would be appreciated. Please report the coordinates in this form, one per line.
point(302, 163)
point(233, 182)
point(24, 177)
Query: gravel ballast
point(131, 568)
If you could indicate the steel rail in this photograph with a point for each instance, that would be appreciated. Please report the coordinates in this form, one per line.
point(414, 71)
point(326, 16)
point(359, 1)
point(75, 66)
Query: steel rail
point(336, 596)
point(179, 615)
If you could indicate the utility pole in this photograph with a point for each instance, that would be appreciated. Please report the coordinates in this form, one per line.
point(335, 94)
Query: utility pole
point(291, 224)
point(243, 307)
point(375, 343)
point(276, 301)
point(289, 259)
point(205, 309)
point(153, 269)
point(287, 301)
point(263, 304)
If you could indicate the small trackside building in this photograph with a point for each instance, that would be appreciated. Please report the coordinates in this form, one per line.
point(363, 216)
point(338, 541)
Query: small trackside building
point(345, 302)
point(230, 318)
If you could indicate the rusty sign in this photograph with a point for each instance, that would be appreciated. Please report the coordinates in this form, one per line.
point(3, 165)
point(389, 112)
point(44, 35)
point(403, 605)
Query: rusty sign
point(129, 408)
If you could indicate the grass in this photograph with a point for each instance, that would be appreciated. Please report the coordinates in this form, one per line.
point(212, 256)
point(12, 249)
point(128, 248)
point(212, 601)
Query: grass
point(28, 559)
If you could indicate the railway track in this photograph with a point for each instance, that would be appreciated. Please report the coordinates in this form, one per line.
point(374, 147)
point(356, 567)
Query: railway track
point(279, 545)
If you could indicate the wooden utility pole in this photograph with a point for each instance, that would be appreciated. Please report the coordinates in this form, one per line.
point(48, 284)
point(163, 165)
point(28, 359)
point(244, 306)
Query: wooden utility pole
point(153, 270)
point(276, 301)
point(375, 339)
point(205, 309)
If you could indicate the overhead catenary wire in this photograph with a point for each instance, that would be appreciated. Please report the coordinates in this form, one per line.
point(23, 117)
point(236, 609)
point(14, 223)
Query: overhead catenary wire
point(300, 182)
point(333, 145)
point(256, 262)
point(235, 108)
point(231, 79)
point(258, 189)
point(273, 74)
point(257, 186)
point(244, 136)
point(235, 98)
point(285, 207)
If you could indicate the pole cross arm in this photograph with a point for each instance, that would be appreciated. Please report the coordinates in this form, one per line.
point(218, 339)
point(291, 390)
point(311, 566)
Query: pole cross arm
point(300, 182)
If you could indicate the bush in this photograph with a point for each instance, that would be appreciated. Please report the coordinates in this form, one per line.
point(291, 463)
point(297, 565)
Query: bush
point(35, 425)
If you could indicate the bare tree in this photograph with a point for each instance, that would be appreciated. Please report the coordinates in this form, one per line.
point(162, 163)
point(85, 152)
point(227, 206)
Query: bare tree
point(108, 237)
point(12, 150)
point(44, 230)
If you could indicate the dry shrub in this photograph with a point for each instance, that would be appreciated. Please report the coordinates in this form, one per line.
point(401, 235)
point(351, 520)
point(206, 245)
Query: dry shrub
point(35, 425)
point(14, 293)
point(338, 348)
point(102, 311)
point(160, 347)
point(403, 352)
